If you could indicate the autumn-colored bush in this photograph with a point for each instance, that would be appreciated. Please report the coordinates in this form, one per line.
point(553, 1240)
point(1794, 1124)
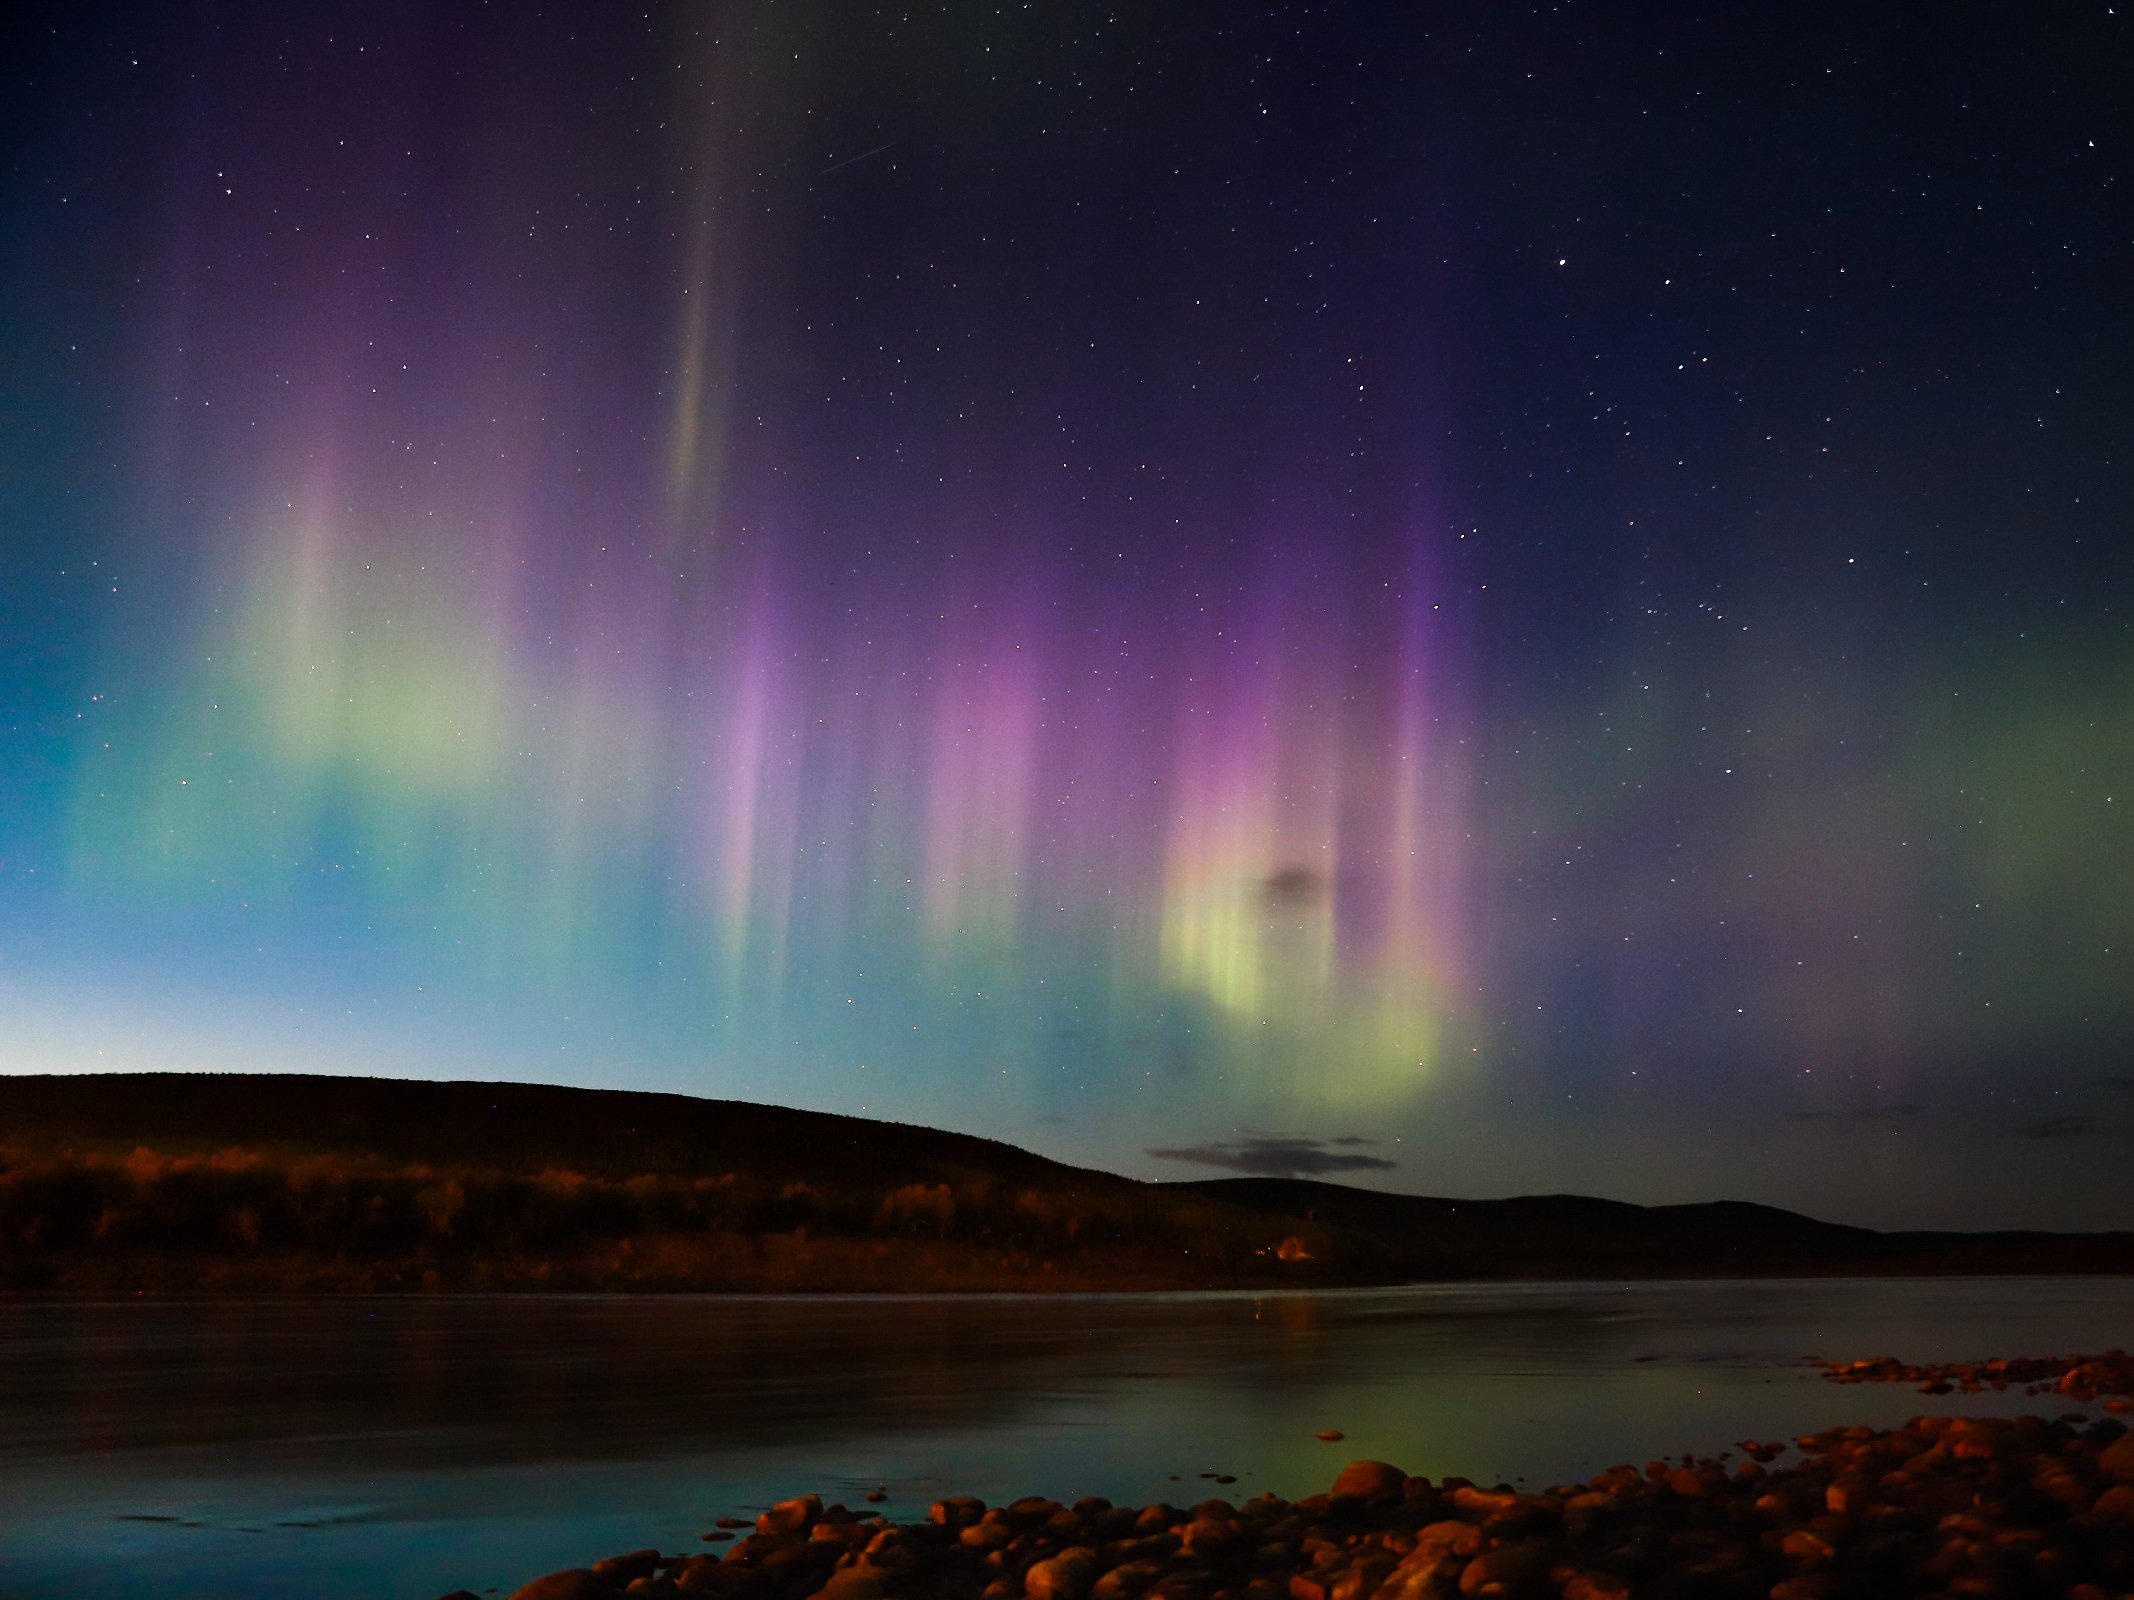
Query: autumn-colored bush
point(238, 1204)
point(916, 1207)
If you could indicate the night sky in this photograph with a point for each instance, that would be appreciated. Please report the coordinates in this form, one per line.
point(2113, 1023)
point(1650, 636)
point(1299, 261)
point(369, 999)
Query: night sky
point(1475, 598)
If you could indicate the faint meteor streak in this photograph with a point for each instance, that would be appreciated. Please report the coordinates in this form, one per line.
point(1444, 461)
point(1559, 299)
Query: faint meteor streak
point(862, 156)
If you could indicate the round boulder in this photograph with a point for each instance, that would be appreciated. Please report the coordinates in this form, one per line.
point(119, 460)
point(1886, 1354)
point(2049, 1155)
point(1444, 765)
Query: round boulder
point(2117, 1461)
point(572, 1583)
point(2116, 1504)
point(1375, 1481)
point(852, 1583)
point(700, 1575)
point(796, 1515)
point(1508, 1570)
point(1066, 1576)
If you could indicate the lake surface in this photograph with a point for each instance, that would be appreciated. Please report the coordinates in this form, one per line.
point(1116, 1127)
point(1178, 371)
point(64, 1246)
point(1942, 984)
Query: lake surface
point(407, 1447)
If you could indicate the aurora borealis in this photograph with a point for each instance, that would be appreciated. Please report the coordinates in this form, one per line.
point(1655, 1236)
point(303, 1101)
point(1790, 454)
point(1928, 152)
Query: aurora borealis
point(1538, 602)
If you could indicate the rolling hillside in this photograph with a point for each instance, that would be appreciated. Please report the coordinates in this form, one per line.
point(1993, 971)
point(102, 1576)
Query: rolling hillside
point(238, 1182)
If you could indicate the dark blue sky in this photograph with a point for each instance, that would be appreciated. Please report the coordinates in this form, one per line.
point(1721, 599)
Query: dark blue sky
point(1543, 588)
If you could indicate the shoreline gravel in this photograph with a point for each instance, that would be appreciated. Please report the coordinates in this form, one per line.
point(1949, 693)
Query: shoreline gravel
point(1944, 1506)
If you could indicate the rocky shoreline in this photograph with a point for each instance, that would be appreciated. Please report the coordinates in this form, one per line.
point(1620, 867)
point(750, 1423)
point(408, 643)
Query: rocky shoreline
point(2109, 1376)
point(1944, 1506)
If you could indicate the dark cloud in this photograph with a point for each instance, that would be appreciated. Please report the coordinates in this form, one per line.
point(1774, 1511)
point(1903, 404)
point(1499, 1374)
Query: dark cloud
point(2075, 1126)
point(1293, 888)
point(1278, 1156)
point(1895, 1116)
point(2119, 1082)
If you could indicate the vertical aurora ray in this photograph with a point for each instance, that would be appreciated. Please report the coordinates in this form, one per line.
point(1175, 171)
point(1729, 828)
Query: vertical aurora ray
point(1308, 892)
point(981, 783)
point(702, 376)
point(1007, 564)
point(531, 788)
point(537, 662)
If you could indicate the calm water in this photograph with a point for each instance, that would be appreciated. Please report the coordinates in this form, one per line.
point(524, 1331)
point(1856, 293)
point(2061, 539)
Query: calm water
point(403, 1448)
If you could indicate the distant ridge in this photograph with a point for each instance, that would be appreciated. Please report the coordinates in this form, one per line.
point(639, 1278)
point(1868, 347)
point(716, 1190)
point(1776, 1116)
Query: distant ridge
point(1563, 1235)
point(168, 1181)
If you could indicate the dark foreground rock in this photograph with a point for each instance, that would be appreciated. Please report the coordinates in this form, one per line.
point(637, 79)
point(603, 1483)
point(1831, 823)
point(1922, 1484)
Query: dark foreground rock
point(1940, 1507)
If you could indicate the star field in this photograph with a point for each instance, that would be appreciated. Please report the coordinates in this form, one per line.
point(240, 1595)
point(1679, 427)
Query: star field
point(1543, 588)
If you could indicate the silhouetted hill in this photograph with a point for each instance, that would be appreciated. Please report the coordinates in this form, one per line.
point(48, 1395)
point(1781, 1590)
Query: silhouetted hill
point(604, 1133)
point(246, 1180)
point(192, 1181)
